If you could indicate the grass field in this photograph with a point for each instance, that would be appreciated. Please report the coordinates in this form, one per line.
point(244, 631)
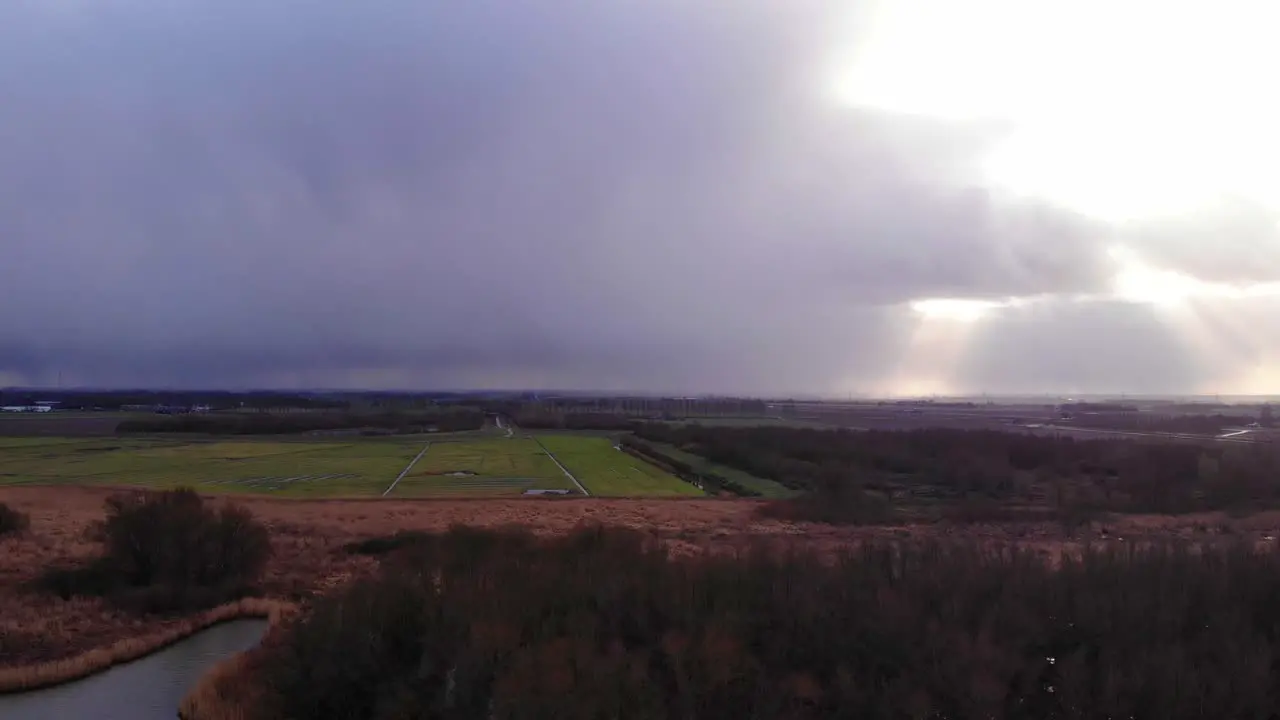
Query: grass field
point(453, 467)
point(766, 488)
point(498, 466)
point(608, 472)
point(305, 469)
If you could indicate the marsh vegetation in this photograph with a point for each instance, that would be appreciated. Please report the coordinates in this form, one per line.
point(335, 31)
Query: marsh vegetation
point(604, 623)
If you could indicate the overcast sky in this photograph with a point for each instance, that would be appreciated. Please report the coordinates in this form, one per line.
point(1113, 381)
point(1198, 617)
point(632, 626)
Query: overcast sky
point(746, 196)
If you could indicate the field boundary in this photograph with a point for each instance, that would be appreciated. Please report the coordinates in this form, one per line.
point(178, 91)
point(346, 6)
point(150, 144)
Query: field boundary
point(406, 469)
point(560, 465)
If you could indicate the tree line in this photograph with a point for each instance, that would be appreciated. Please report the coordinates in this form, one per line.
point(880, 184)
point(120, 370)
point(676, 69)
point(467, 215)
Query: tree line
point(711, 482)
point(443, 420)
point(118, 399)
point(859, 471)
point(534, 419)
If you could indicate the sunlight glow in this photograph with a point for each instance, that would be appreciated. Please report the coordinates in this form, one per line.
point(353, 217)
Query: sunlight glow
point(932, 356)
point(958, 310)
point(943, 333)
point(1123, 110)
point(1221, 336)
point(1205, 316)
point(1137, 281)
point(1262, 379)
point(1215, 322)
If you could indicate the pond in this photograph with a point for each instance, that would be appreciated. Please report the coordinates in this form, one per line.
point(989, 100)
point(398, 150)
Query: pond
point(146, 689)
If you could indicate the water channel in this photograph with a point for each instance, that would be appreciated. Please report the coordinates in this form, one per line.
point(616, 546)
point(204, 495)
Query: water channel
point(146, 689)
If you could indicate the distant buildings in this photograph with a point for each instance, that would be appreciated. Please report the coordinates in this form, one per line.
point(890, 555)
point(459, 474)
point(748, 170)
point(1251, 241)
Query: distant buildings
point(39, 406)
point(180, 409)
point(162, 409)
point(1268, 418)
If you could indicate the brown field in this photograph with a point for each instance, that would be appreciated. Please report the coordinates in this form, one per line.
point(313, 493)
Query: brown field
point(308, 536)
point(60, 424)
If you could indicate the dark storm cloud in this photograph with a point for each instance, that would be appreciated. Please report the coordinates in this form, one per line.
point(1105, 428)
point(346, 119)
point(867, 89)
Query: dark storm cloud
point(1073, 347)
point(648, 195)
point(1198, 345)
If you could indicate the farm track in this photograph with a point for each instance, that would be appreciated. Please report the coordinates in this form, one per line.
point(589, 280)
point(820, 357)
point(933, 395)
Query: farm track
point(406, 469)
point(563, 469)
point(509, 428)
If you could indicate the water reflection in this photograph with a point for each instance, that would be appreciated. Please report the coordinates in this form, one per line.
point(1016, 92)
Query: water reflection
point(147, 689)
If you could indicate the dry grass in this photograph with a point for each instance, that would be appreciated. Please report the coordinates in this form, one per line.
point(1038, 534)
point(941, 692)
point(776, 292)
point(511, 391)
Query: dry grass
point(46, 637)
point(227, 692)
point(222, 693)
point(45, 674)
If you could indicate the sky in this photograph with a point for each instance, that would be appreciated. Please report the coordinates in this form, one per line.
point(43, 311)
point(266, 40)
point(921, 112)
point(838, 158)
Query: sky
point(894, 197)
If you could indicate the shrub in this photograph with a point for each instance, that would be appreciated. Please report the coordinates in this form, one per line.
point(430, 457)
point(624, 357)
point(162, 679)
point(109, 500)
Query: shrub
point(12, 521)
point(169, 551)
point(854, 507)
point(387, 543)
point(93, 579)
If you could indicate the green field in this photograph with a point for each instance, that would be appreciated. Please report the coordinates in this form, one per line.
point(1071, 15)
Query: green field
point(499, 466)
point(450, 467)
point(304, 469)
point(608, 472)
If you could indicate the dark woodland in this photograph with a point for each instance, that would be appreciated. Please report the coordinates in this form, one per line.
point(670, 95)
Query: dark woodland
point(602, 623)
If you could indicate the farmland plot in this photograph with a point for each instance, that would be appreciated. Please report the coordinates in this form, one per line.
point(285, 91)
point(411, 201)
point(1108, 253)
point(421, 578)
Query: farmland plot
point(295, 468)
point(486, 467)
point(608, 472)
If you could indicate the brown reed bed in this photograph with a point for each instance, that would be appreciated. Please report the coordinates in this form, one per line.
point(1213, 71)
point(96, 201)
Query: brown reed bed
point(47, 674)
point(227, 692)
point(38, 630)
point(223, 693)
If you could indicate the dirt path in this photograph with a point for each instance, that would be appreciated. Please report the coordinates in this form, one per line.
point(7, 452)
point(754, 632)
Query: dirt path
point(560, 465)
point(509, 428)
point(406, 469)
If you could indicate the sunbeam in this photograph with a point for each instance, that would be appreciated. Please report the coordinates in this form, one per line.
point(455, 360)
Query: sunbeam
point(944, 330)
